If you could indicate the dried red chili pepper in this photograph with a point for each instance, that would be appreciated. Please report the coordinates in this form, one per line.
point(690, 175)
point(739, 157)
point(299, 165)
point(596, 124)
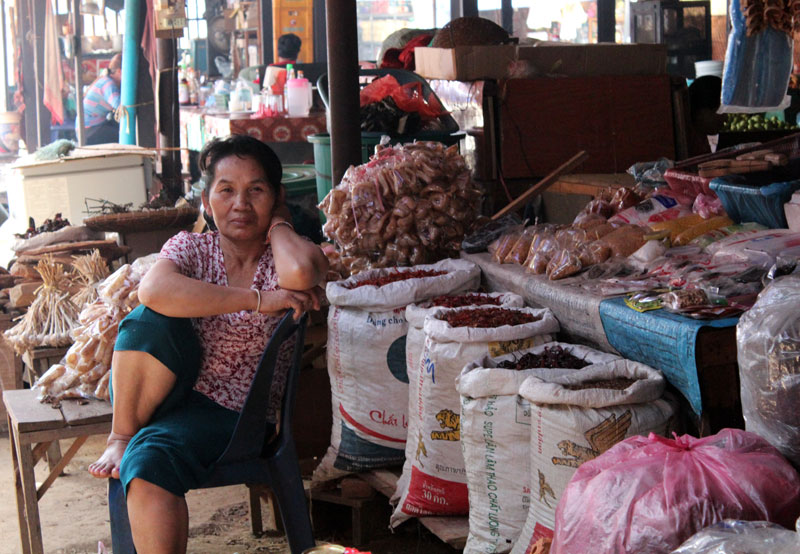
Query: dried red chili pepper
point(461, 300)
point(488, 317)
point(396, 276)
point(550, 357)
point(618, 383)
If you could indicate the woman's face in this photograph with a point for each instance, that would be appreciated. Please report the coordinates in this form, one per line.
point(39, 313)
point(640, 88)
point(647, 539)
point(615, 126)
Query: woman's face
point(240, 199)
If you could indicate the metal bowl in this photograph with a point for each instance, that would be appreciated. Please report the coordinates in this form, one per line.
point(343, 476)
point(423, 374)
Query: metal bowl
point(325, 549)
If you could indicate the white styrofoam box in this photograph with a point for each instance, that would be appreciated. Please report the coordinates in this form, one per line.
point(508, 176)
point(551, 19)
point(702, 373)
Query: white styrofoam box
point(42, 189)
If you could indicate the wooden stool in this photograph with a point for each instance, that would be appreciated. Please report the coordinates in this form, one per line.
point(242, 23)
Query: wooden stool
point(32, 427)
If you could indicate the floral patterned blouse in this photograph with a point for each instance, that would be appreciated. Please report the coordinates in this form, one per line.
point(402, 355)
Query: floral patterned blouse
point(232, 343)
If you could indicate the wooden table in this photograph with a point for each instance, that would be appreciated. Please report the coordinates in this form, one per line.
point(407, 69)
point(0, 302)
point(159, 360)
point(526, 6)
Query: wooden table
point(33, 426)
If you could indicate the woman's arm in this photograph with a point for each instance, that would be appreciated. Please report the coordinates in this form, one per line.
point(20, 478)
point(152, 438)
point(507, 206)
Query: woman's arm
point(299, 263)
point(167, 291)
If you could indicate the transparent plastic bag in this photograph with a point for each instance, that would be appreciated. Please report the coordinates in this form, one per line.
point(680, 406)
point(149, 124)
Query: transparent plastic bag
point(769, 366)
point(732, 536)
point(750, 83)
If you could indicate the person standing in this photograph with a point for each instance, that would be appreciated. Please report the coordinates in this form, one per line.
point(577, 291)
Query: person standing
point(288, 50)
point(100, 103)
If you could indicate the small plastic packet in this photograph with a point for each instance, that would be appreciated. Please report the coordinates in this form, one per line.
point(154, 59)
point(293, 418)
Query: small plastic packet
point(506, 243)
point(564, 263)
point(684, 299)
point(519, 252)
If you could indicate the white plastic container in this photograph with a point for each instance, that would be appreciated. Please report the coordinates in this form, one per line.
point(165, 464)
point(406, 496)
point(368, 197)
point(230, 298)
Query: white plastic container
point(792, 211)
point(298, 97)
point(708, 67)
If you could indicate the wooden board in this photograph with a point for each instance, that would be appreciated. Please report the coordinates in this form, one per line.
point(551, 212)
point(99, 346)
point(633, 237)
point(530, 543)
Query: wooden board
point(70, 246)
point(85, 412)
point(450, 529)
point(591, 184)
point(618, 120)
point(29, 414)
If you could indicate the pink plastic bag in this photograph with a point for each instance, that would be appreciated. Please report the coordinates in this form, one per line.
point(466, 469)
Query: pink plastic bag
point(649, 494)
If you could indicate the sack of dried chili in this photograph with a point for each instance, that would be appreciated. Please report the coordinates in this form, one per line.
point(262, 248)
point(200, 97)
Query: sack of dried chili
point(436, 483)
point(496, 432)
point(367, 361)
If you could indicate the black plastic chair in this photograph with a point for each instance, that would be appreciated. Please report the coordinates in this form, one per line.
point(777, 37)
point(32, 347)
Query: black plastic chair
point(249, 459)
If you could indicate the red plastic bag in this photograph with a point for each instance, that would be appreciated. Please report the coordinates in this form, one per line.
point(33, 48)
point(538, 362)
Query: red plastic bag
point(408, 97)
point(649, 494)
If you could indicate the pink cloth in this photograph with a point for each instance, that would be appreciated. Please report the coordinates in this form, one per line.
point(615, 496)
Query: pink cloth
point(232, 343)
point(53, 77)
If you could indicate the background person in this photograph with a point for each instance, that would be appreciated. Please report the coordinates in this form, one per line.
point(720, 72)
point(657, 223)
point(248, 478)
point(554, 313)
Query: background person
point(100, 103)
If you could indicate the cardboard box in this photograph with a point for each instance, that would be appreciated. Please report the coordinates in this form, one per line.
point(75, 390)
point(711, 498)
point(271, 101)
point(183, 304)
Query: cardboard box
point(587, 60)
point(469, 63)
point(464, 63)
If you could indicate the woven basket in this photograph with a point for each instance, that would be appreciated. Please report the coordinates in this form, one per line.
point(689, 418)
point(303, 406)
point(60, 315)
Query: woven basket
point(149, 220)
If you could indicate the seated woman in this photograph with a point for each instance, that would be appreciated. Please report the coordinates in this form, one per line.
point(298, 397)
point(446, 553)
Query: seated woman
point(184, 359)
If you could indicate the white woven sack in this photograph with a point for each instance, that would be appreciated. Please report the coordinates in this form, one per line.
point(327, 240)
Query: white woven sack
point(569, 427)
point(495, 437)
point(415, 341)
point(436, 482)
point(367, 368)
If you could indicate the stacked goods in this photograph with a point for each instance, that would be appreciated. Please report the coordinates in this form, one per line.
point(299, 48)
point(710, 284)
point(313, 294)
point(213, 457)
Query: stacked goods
point(575, 417)
point(410, 204)
point(91, 269)
point(649, 494)
point(434, 481)
point(769, 366)
point(51, 316)
point(415, 342)
point(84, 371)
point(495, 436)
point(367, 360)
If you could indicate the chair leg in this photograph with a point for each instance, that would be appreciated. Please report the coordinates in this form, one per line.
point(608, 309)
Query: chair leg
point(256, 522)
point(287, 485)
point(121, 537)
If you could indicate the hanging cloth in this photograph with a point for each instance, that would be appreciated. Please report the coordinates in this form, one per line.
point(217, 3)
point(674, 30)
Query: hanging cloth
point(53, 76)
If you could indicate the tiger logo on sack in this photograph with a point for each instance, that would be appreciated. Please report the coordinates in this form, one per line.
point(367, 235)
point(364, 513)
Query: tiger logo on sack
point(501, 348)
point(601, 437)
point(451, 423)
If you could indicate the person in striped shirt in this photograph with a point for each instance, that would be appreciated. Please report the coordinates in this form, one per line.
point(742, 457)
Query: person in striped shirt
point(100, 103)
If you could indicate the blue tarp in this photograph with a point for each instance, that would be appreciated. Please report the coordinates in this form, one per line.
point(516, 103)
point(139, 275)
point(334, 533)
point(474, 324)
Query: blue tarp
point(659, 339)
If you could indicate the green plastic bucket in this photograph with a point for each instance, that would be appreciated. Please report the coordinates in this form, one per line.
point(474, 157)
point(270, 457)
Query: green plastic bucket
point(300, 182)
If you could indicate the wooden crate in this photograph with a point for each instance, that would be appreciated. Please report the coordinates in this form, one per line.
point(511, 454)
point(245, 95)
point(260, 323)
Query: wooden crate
point(619, 120)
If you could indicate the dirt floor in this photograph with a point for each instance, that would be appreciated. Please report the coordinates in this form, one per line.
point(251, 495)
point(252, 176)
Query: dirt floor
point(74, 517)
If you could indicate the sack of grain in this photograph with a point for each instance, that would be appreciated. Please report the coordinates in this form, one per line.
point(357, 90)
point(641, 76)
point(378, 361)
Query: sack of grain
point(768, 339)
point(367, 360)
point(495, 436)
point(436, 483)
point(415, 341)
point(575, 418)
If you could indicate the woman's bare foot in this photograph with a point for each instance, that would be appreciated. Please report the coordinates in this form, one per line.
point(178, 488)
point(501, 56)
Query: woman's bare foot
point(108, 464)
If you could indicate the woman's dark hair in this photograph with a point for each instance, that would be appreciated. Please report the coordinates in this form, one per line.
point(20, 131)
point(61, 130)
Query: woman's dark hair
point(242, 146)
point(289, 46)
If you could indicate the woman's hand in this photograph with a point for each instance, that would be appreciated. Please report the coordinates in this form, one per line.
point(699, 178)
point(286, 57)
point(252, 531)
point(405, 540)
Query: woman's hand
point(275, 303)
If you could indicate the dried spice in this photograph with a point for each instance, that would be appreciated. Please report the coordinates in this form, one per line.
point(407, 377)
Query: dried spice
point(396, 276)
point(488, 317)
point(461, 300)
point(550, 357)
point(618, 383)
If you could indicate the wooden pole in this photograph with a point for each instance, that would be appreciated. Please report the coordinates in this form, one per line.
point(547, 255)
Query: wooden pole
point(4, 83)
point(343, 89)
point(37, 34)
point(77, 45)
point(169, 117)
point(542, 185)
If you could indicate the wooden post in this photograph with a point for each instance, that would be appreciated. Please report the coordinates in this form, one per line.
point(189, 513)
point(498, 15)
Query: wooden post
point(606, 21)
point(4, 82)
point(77, 30)
point(169, 117)
point(343, 89)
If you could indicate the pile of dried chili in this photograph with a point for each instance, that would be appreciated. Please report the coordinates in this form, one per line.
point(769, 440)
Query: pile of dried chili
point(618, 383)
point(461, 300)
point(396, 276)
point(488, 317)
point(550, 357)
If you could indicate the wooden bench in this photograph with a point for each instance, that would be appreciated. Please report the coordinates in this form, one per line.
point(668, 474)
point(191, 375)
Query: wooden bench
point(32, 428)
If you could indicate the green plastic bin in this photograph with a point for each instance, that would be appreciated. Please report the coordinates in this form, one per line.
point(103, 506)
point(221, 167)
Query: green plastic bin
point(300, 182)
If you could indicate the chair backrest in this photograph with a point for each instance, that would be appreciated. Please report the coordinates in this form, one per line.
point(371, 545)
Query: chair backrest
point(247, 441)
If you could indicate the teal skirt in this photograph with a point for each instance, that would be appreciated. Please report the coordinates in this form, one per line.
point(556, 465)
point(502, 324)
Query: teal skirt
point(189, 431)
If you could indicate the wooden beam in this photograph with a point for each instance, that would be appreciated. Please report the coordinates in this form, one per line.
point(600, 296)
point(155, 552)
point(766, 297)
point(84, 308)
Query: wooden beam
point(169, 117)
point(606, 21)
